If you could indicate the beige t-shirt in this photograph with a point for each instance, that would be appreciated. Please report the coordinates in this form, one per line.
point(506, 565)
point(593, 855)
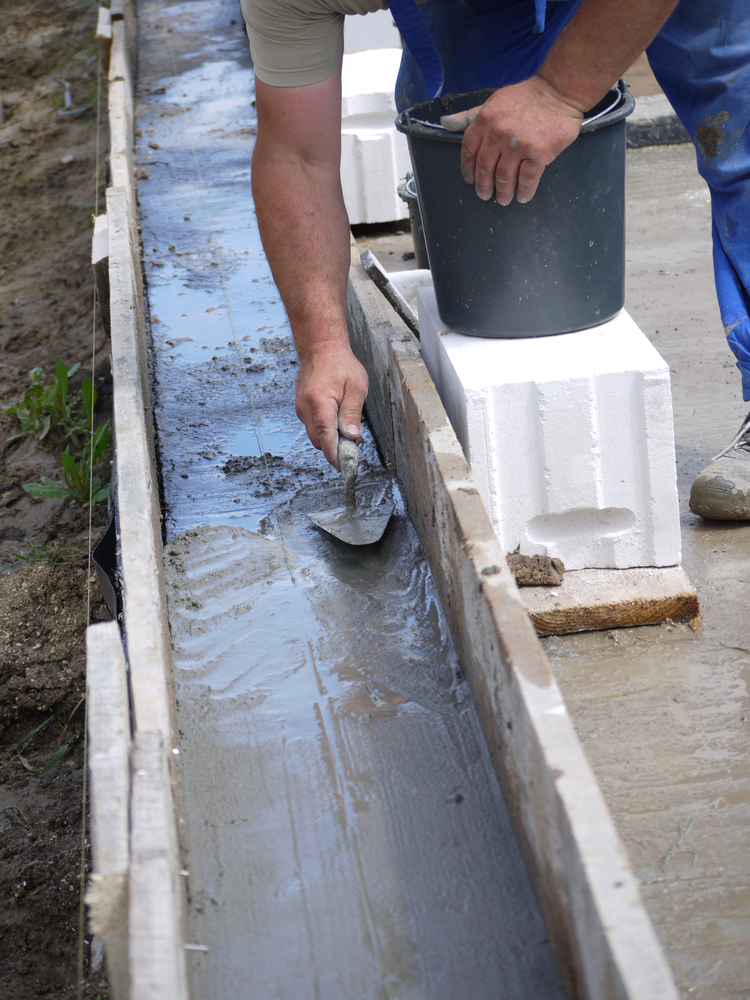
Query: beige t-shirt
point(297, 42)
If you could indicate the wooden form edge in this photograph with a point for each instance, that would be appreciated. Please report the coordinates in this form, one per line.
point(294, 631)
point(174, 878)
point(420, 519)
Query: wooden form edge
point(108, 717)
point(154, 933)
point(595, 916)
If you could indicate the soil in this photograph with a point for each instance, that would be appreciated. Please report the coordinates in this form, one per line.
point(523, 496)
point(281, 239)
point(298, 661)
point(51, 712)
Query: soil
point(48, 186)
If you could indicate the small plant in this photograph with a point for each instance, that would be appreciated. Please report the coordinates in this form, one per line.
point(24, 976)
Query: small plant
point(49, 410)
point(57, 757)
point(50, 552)
point(77, 481)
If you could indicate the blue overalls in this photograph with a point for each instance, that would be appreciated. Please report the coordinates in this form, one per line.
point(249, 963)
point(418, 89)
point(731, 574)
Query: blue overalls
point(701, 58)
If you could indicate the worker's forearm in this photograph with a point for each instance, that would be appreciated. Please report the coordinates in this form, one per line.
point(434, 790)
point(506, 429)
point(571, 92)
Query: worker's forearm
point(305, 233)
point(603, 39)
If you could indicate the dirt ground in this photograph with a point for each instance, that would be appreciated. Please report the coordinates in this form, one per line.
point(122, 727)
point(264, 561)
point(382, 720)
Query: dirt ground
point(48, 193)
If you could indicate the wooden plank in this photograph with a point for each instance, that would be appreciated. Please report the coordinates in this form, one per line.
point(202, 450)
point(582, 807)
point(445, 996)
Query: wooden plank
point(156, 916)
point(100, 267)
point(109, 763)
point(121, 129)
point(104, 37)
point(139, 515)
point(595, 917)
point(121, 161)
point(123, 12)
point(120, 66)
point(592, 599)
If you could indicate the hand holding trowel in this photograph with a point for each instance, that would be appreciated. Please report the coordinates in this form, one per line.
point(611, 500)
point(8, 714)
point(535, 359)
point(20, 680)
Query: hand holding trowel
point(354, 525)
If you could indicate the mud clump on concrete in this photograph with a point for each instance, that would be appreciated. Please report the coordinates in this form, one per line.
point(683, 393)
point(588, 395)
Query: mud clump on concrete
point(269, 474)
point(275, 345)
point(535, 571)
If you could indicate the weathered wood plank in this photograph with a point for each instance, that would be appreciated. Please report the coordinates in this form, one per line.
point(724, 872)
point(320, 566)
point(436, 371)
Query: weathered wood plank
point(139, 515)
point(120, 64)
point(156, 926)
point(109, 764)
point(594, 914)
point(100, 267)
point(612, 598)
point(123, 11)
point(121, 137)
point(104, 37)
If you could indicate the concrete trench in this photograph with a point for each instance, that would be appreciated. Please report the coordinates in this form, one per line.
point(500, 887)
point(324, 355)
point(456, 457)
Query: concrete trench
point(345, 832)
point(341, 821)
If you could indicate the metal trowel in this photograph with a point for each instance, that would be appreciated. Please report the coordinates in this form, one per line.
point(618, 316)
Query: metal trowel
point(354, 525)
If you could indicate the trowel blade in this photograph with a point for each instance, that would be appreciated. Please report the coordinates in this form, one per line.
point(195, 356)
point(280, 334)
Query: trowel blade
point(354, 525)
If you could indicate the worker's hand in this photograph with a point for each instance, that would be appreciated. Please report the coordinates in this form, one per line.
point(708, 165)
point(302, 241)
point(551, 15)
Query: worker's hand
point(331, 390)
point(513, 136)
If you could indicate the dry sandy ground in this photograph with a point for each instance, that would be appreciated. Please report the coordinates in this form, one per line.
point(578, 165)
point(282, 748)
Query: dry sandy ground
point(47, 192)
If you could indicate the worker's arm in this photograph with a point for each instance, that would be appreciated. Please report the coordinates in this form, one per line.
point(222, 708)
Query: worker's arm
point(305, 233)
point(520, 129)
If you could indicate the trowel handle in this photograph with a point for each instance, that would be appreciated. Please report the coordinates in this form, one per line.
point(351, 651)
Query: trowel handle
point(348, 454)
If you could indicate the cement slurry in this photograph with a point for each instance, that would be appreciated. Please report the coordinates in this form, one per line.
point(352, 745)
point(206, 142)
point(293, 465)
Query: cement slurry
point(345, 833)
point(664, 712)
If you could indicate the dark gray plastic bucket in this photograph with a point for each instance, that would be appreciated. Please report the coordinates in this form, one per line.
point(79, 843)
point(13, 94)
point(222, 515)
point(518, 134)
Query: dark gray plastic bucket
point(408, 192)
point(554, 265)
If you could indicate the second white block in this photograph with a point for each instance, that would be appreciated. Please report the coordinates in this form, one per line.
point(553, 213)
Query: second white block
point(570, 439)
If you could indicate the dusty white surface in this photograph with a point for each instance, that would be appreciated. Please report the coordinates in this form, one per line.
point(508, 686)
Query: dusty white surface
point(569, 438)
point(374, 156)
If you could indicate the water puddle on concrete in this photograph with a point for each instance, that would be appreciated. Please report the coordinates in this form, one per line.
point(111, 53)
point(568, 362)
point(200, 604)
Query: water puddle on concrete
point(345, 833)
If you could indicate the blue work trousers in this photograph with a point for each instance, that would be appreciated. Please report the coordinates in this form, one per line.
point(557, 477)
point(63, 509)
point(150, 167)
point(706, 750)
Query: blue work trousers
point(701, 58)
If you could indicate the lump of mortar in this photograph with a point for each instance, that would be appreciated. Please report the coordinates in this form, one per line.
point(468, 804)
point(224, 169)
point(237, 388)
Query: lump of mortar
point(348, 454)
point(535, 571)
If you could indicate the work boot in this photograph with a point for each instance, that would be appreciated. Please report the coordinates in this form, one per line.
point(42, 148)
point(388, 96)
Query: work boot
point(722, 491)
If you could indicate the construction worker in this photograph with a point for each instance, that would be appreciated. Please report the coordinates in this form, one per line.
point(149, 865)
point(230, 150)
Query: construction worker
point(551, 61)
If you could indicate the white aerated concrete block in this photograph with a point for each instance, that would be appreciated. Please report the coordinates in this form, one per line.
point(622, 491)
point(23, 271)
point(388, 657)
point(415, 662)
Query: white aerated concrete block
point(374, 156)
point(569, 438)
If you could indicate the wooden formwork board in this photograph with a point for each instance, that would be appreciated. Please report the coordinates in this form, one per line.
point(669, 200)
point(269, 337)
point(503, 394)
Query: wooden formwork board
point(121, 158)
point(155, 897)
point(108, 715)
point(104, 37)
point(594, 913)
point(149, 943)
point(137, 489)
point(156, 938)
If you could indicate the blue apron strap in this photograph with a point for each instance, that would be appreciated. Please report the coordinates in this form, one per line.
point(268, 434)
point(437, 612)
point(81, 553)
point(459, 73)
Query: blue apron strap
point(417, 38)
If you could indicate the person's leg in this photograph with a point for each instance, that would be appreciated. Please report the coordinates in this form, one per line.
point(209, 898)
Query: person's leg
point(701, 59)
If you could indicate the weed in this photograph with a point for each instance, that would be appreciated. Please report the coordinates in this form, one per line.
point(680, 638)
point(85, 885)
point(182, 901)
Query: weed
point(58, 756)
point(77, 481)
point(25, 739)
point(74, 422)
point(51, 552)
point(49, 410)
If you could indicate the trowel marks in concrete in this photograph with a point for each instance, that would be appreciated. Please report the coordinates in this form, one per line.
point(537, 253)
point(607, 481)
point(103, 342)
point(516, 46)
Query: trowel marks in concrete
point(347, 837)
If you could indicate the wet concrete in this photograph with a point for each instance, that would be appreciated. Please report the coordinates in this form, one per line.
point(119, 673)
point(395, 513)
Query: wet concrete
point(345, 833)
point(664, 712)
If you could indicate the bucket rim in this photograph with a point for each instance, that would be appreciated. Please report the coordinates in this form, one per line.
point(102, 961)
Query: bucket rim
point(422, 120)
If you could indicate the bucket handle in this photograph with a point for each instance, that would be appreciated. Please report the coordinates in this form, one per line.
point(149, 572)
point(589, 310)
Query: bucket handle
point(586, 121)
